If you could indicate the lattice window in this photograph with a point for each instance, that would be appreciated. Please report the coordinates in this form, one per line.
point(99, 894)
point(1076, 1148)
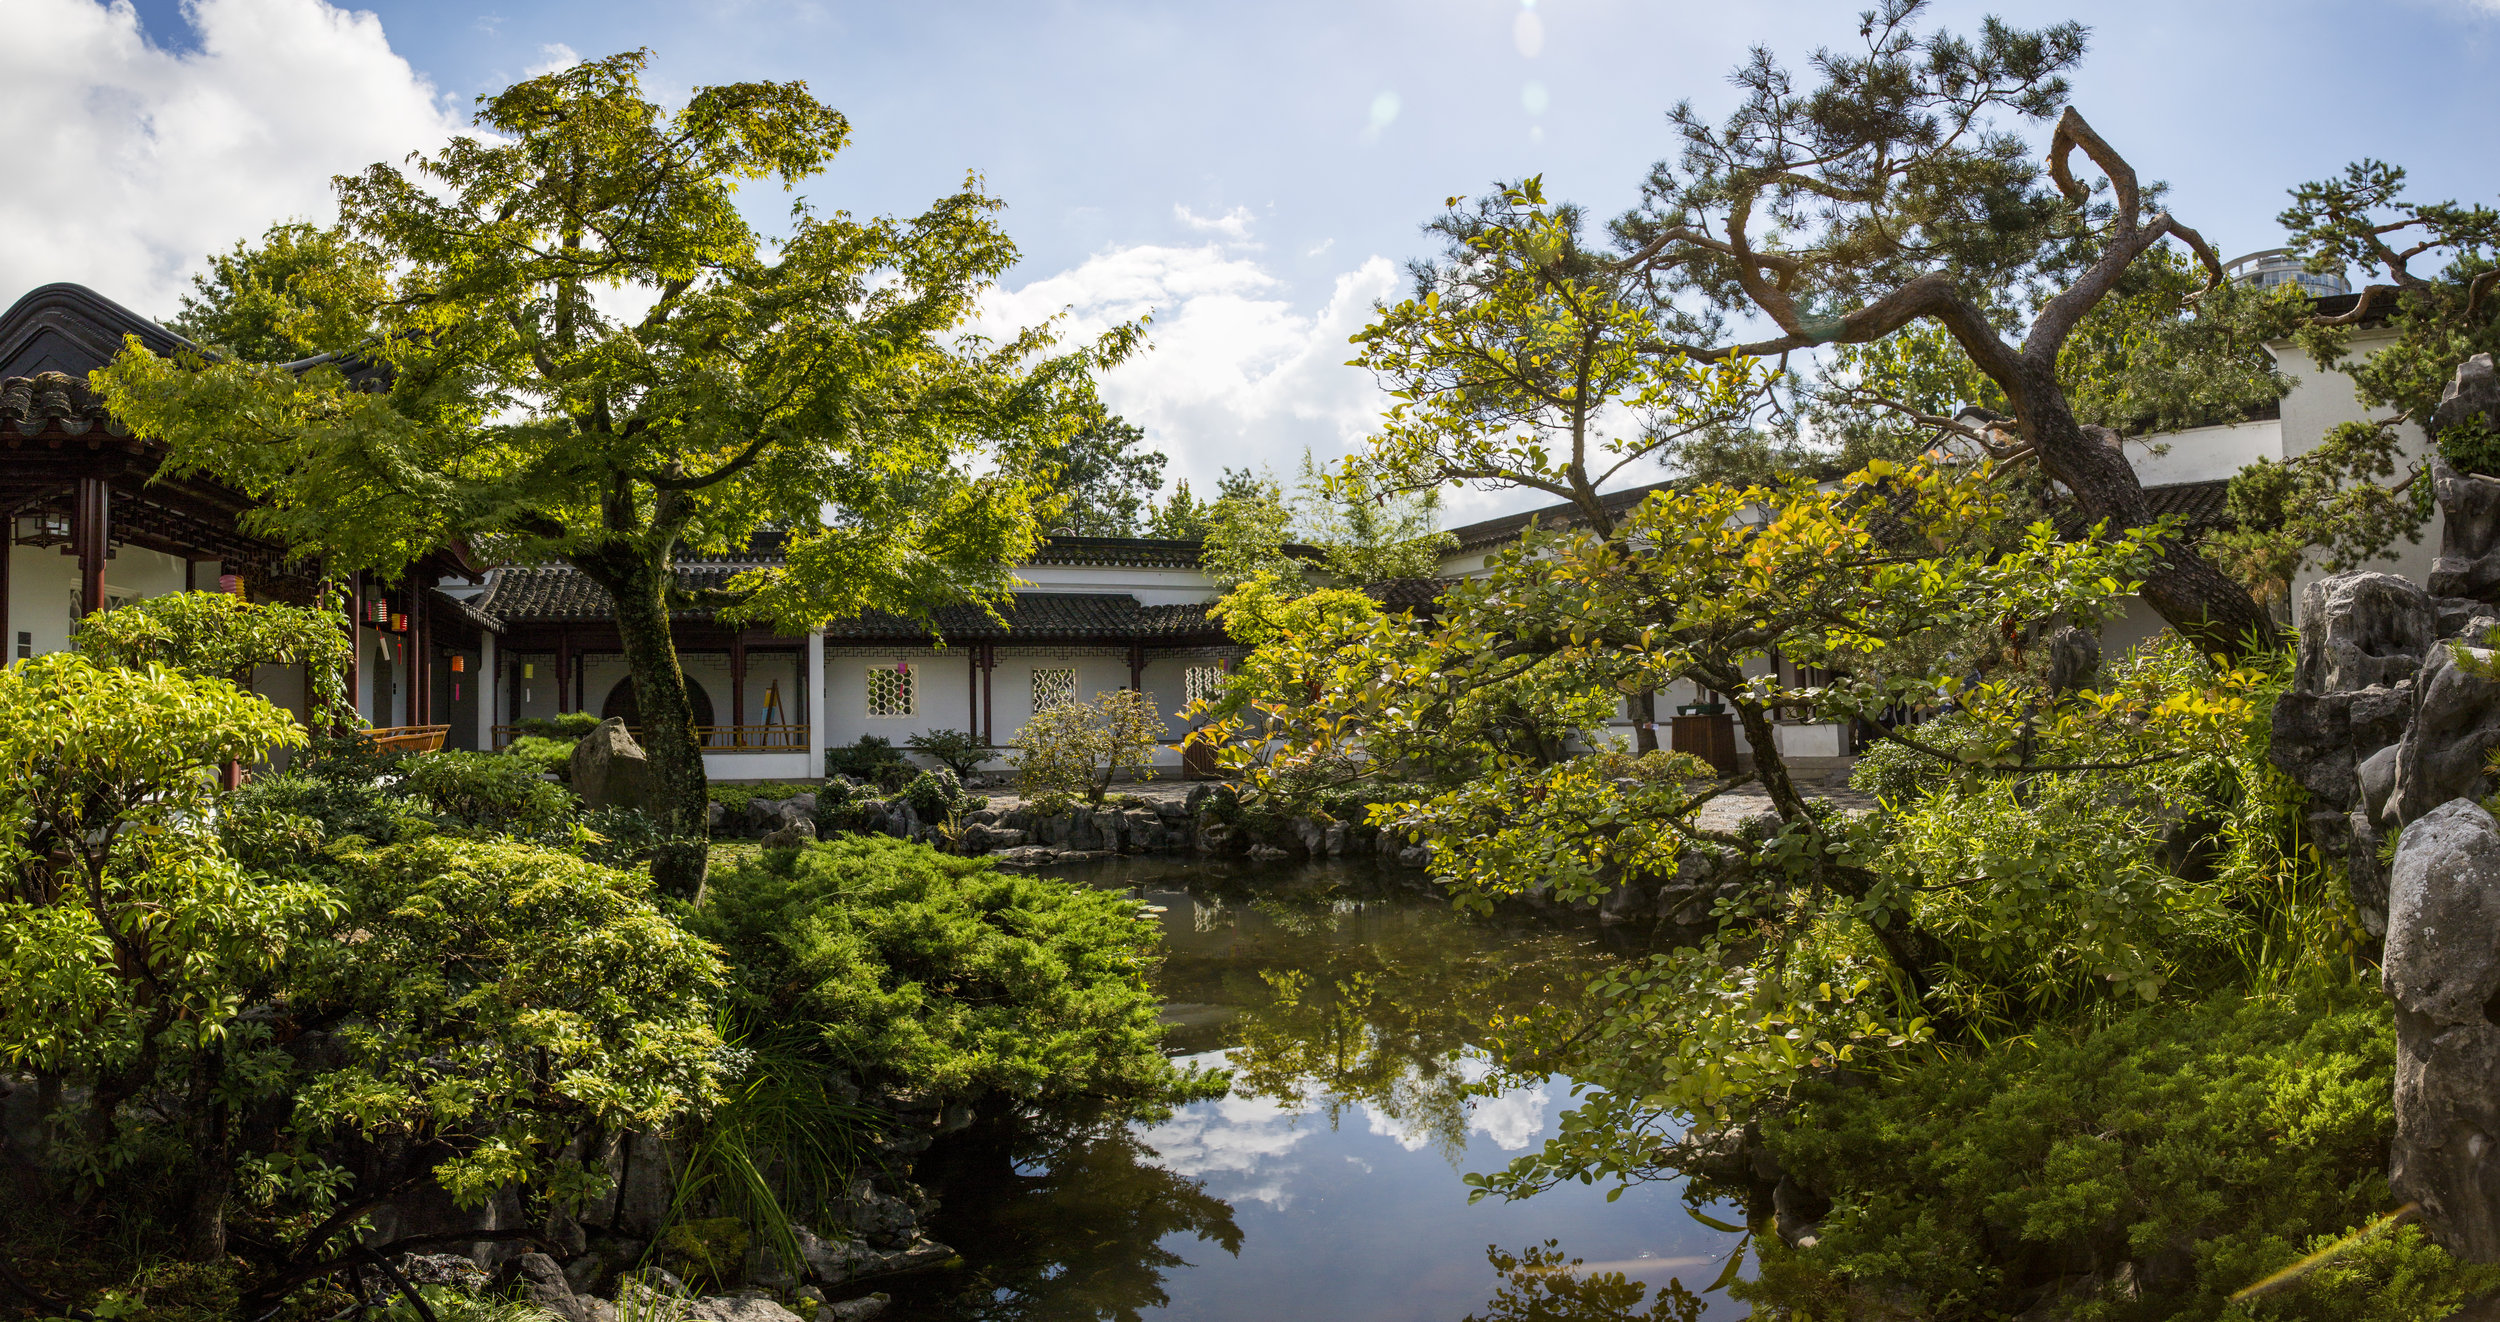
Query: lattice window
point(892, 692)
point(1200, 683)
point(1052, 688)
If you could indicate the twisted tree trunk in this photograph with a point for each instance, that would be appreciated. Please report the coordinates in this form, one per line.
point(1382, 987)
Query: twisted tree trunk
point(680, 792)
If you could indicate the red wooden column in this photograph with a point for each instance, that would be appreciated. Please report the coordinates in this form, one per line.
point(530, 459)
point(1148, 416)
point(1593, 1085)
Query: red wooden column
point(92, 536)
point(989, 700)
point(738, 689)
point(420, 659)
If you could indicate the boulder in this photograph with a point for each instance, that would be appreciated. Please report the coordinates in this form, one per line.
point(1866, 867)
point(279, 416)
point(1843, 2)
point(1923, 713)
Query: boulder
point(2456, 723)
point(538, 1280)
point(2443, 970)
point(1027, 856)
point(1415, 856)
point(1333, 840)
point(2360, 629)
point(1267, 853)
point(450, 1269)
point(2074, 658)
point(610, 770)
point(797, 834)
point(2469, 534)
point(855, 1310)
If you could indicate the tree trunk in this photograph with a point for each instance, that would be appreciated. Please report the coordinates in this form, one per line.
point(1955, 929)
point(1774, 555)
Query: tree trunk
point(212, 1165)
point(2200, 601)
point(679, 790)
point(1644, 710)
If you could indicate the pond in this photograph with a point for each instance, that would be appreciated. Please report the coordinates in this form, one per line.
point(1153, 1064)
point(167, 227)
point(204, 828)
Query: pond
point(1352, 1012)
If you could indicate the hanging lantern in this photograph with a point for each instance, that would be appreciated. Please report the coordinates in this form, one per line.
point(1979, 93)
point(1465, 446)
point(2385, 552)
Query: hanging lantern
point(42, 529)
point(399, 622)
point(230, 584)
point(528, 671)
point(459, 664)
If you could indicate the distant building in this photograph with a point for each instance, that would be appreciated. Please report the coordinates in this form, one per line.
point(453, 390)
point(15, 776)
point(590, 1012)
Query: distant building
point(2277, 266)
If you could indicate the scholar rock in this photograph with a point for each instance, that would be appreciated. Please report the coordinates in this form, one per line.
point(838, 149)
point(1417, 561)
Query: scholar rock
point(2360, 629)
point(610, 770)
point(2469, 534)
point(2443, 970)
point(798, 833)
point(2456, 723)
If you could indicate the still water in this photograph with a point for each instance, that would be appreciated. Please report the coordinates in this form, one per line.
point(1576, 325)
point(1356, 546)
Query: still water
point(1327, 1184)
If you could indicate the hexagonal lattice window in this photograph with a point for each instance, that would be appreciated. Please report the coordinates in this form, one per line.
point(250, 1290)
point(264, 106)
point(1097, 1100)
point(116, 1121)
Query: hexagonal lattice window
point(891, 692)
point(1200, 683)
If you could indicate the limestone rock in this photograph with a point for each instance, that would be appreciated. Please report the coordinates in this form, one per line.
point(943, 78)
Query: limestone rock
point(2469, 535)
point(1027, 856)
point(541, 1282)
point(1415, 856)
point(2074, 658)
point(2473, 392)
point(2443, 969)
point(610, 770)
point(738, 1308)
point(855, 1310)
point(2456, 723)
point(2360, 629)
point(796, 834)
point(1266, 853)
point(450, 1269)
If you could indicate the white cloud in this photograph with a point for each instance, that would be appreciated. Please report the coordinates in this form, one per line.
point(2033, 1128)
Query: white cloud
point(1239, 372)
point(134, 161)
point(556, 55)
point(1233, 224)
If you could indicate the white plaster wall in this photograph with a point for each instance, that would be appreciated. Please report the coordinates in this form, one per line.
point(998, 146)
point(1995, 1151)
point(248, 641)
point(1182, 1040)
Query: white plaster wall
point(1151, 587)
point(2204, 454)
point(939, 680)
point(2319, 401)
point(43, 590)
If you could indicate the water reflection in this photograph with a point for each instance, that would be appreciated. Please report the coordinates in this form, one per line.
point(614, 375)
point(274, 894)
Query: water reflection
point(1367, 1030)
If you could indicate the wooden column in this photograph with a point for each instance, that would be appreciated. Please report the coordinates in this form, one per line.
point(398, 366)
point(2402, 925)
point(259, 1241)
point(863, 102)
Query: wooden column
point(989, 700)
point(972, 691)
point(355, 638)
point(738, 689)
point(420, 685)
point(91, 537)
point(564, 671)
point(1137, 666)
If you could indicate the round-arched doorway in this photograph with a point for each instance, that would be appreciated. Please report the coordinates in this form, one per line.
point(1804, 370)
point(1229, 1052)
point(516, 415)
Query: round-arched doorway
point(622, 706)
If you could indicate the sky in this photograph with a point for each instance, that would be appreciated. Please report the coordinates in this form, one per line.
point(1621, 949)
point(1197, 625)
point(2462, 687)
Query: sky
point(1254, 176)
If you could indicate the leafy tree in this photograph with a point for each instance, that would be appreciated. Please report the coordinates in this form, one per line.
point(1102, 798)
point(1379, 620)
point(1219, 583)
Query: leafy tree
point(563, 341)
point(1106, 485)
point(1077, 747)
point(1182, 516)
point(1249, 528)
point(230, 1003)
point(223, 636)
point(1366, 535)
point(1889, 191)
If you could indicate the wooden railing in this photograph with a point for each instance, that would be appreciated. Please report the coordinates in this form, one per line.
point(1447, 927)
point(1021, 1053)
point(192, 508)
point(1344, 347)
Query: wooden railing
point(408, 738)
point(715, 738)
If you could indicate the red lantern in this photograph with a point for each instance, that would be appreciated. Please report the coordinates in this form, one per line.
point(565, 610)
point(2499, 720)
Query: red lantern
point(459, 664)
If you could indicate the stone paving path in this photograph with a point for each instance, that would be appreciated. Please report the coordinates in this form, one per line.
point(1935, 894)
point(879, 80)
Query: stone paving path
point(1729, 810)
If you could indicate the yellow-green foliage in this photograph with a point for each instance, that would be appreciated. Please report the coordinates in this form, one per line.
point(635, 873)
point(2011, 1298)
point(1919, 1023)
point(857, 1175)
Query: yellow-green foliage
point(712, 1249)
point(1077, 747)
point(2197, 1148)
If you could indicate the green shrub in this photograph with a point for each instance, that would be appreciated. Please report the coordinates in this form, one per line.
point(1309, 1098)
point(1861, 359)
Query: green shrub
point(570, 725)
point(2202, 1147)
point(735, 798)
point(2472, 446)
point(935, 795)
point(955, 750)
point(255, 819)
point(1079, 747)
point(545, 755)
point(917, 970)
point(485, 792)
point(619, 837)
point(863, 760)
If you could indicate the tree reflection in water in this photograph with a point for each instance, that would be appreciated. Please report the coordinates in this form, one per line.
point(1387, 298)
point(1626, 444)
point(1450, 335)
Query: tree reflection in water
point(1541, 1285)
point(1329, 994)
point(1057, 1223)
point(1410, 1010)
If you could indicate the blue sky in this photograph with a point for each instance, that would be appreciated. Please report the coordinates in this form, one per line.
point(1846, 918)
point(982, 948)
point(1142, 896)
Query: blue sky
point(1253, 174)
